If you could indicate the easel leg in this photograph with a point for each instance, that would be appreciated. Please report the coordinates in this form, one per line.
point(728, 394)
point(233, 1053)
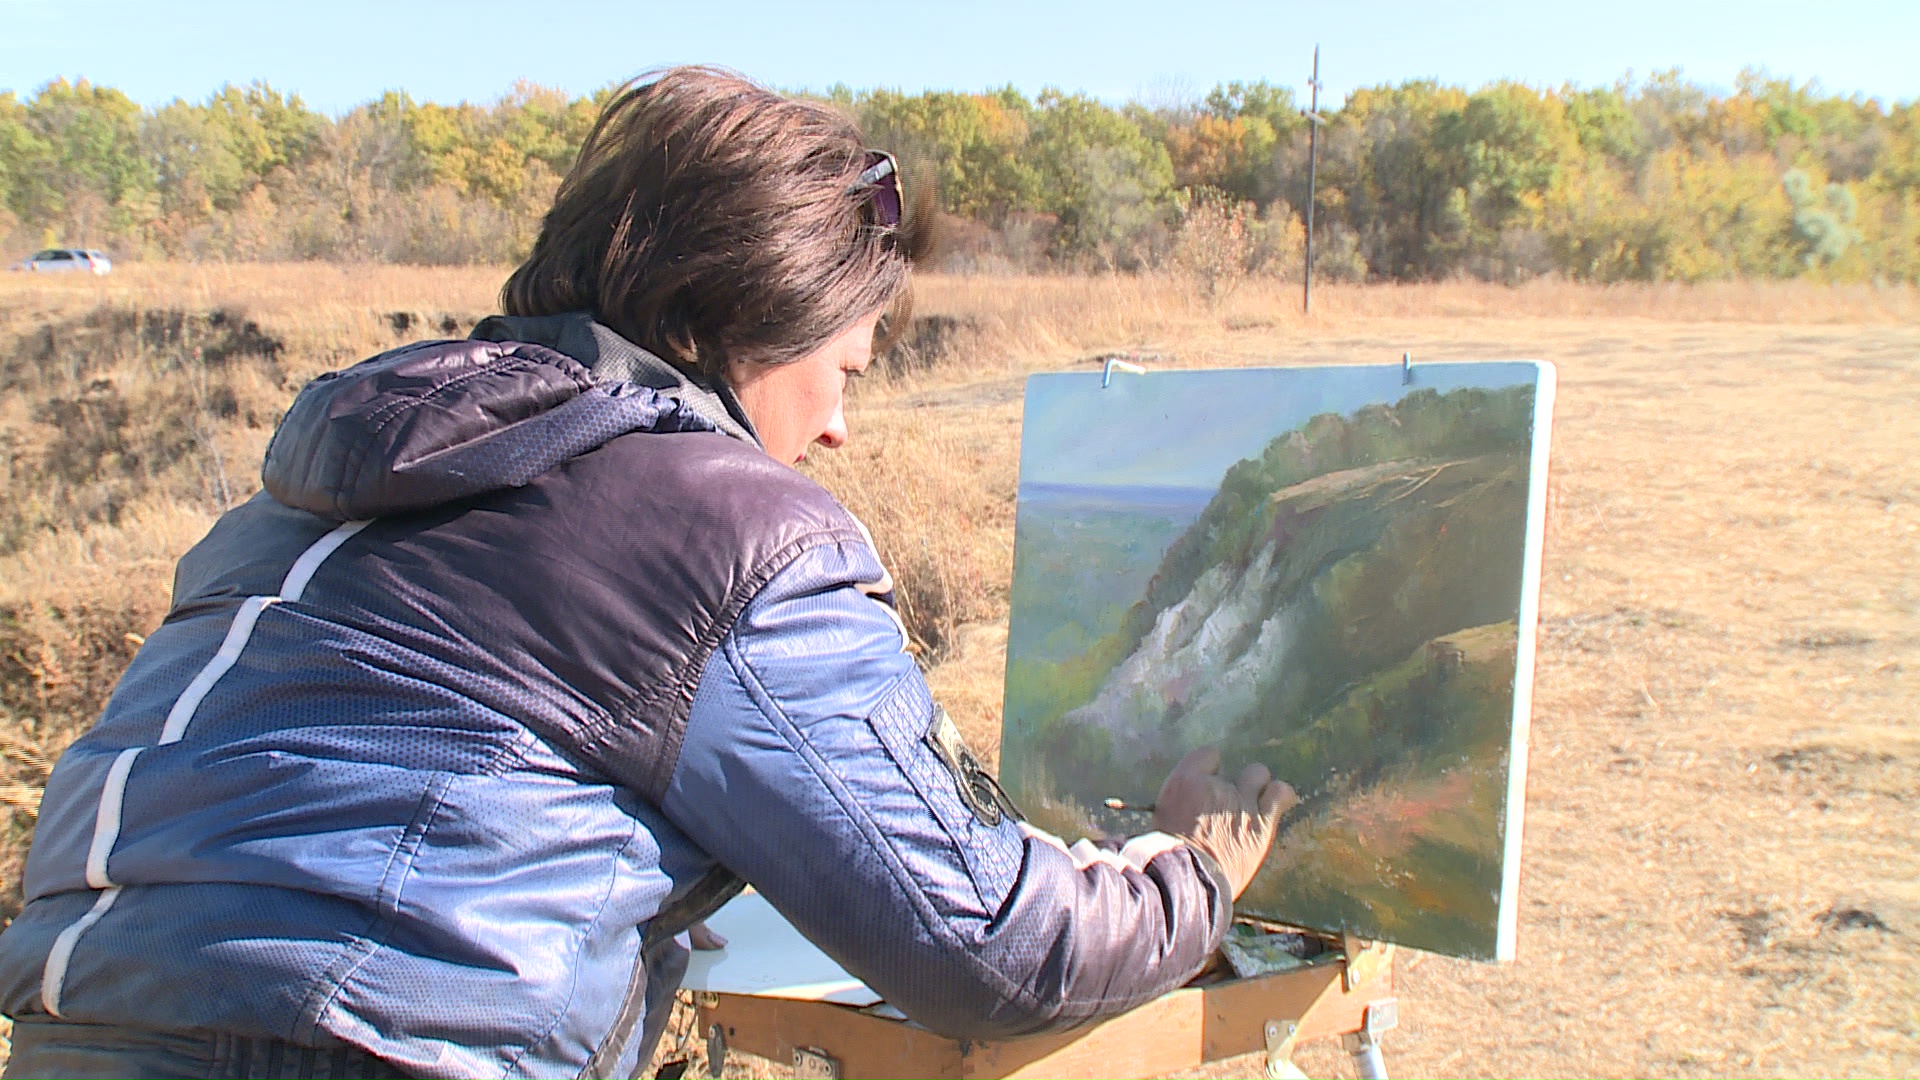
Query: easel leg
point(1280, 1064)
point(1367, 1060)
point(1364, 1045)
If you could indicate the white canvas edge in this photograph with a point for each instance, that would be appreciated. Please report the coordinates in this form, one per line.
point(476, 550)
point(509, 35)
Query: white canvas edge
point(766, 956)
point(1508, 925)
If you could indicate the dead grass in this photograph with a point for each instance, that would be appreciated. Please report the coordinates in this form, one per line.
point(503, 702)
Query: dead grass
point(315, 305)
point(1719, 872)
point(1035, 317)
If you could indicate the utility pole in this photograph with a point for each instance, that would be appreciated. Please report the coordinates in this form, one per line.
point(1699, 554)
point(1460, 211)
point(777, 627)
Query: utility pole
point(1314, 120)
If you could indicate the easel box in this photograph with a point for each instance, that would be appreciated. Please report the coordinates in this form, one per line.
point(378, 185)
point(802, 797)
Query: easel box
point(1182, 1030)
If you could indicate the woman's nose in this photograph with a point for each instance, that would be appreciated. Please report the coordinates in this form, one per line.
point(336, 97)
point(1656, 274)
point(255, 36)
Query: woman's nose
point(835, 435)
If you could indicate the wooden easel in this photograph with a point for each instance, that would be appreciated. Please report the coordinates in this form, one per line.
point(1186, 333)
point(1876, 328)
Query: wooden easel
point(1347, 991)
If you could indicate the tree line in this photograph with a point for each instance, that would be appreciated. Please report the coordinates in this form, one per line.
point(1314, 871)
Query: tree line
point(1648, 180)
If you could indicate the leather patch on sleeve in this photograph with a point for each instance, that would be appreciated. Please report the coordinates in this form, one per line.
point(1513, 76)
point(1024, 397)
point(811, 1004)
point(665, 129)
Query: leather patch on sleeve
point(978, 789)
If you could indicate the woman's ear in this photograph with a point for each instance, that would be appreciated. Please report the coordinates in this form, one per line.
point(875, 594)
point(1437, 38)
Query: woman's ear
point(737, 373)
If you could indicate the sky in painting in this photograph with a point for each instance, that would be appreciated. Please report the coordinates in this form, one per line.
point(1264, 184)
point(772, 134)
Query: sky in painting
point(1184, 428)
point(345, 52)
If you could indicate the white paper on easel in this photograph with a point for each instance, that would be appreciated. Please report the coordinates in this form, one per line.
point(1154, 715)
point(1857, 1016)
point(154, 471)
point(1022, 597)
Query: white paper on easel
point(766, 956)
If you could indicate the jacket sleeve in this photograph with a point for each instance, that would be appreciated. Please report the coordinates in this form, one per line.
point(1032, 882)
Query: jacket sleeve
point(807, 770)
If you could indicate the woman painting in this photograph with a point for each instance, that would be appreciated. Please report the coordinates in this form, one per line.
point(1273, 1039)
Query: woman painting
point(536, 647)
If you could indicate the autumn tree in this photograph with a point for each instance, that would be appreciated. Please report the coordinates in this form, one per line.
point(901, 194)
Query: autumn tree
point(1656, 179)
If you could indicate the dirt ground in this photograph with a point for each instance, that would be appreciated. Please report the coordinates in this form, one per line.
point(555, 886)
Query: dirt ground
point(1720, 870)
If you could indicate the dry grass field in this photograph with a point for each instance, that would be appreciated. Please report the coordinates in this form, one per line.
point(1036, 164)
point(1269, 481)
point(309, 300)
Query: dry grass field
point(1720, 875)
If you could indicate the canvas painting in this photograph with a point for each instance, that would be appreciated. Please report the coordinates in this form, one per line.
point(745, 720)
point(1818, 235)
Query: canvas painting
point(1331, 570)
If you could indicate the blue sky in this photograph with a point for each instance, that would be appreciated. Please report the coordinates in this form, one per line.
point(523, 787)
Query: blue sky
point(1184, 428)
point(341, 53)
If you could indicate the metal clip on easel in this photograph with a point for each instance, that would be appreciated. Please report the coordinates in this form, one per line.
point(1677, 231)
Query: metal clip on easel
point(1377, 1018)
point(1364, 1045)
point(1114, 363)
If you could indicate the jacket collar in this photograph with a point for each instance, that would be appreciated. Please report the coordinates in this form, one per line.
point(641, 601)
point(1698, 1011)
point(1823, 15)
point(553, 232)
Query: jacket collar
point(613, 358)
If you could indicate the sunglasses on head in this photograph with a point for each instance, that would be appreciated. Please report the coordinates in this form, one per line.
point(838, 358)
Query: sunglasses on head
point(881, 178)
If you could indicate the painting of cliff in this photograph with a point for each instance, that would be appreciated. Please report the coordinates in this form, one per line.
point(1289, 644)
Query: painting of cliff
point(1333, 571)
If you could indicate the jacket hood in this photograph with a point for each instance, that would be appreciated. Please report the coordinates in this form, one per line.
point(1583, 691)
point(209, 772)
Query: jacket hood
point(613, 358)
point(445, 420)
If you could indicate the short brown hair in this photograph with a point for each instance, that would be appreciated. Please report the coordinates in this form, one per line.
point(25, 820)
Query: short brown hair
point(709, 219)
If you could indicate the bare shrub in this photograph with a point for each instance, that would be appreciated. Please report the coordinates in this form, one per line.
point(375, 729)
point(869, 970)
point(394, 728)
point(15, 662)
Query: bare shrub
point(1214, 247)
point(1279, 243)
point(432, 225)
point(1019, 242)
point(1338, 256)
point(1520, 255)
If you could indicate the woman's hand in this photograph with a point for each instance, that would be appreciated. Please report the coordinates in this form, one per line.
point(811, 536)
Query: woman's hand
point(1232, 823)
point(705, 939)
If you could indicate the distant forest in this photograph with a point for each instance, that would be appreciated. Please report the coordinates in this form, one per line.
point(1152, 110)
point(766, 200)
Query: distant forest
point(1650, 180)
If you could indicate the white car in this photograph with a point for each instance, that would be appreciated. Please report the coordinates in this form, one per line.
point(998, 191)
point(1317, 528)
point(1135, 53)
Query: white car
point(66, 260)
